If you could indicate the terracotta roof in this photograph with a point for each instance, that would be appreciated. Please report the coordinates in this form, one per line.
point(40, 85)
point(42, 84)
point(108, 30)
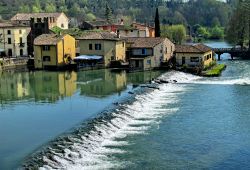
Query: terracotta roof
point(98, 36)
point(10, 24)
point(195, 48)
point(144, 42)
point(27, 16)
point(48, 39)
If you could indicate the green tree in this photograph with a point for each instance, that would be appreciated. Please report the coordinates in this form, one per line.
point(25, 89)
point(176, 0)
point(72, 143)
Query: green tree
point(157, 24)
point(238, 31)
point(37, 6)
point(203, 32)
point(90, 17)
point(50, 7)
point(24, 8)
point(217, 33)
point(108, 13)
point(176, 33)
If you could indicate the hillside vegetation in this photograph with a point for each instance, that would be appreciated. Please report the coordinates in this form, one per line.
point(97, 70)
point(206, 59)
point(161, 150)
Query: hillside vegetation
point(204, 12)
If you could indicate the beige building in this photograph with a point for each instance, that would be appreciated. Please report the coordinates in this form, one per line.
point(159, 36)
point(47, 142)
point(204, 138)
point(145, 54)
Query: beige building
point(13, 39)
point(197, 55)
point(136, 30)
point(55, 19)
point(148, 53)
point(54, 51)
point(104, 44)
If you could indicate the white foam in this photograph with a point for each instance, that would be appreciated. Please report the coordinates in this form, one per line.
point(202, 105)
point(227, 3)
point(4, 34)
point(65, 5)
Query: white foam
point(96, 150)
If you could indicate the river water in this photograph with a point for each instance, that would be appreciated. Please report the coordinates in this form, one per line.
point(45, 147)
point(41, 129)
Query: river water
point(102, 120)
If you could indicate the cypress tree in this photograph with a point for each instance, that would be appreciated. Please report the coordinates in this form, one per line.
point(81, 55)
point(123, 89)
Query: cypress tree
point(157, 24)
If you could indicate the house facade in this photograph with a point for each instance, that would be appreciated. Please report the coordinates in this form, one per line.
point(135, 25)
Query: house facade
point(13, 39)
point(135, 30)
point(197, 55)
point(104, 44)
point(53, 51)
point(54, 19)
point(148, 53)
point(99, 25)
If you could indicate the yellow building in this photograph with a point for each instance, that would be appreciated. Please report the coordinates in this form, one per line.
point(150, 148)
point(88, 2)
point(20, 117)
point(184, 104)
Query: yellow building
point(53, 51)
point(148, 53)
point(13, 39)
point(104, 44)
point(197, 55)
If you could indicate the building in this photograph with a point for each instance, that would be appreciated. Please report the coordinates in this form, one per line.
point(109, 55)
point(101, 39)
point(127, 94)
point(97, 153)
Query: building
point(136, 30)
point(99, 25)
point(36, 28)
point(54, 19)
point(149, 30)
point(54, 51)
point(13, 39)
point(104, 44)
point(197, 55)
point(148, 53)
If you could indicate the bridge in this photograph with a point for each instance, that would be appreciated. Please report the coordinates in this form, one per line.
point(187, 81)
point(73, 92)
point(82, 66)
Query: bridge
point(232, 51)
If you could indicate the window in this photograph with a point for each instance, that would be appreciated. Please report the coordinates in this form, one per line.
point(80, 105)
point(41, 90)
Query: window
point(98, 46)
point(123, 44)
point(148, 61)
point(167, 49)
point(9, 32)
point(46, 48)
point(9, 40)
point(9, 52)
point(21, 40)
point(62, 25)
point(20, 31)
point(90, 47)
point(46, 58)
point(143, 51)
point(194, 59)
point(21, 52)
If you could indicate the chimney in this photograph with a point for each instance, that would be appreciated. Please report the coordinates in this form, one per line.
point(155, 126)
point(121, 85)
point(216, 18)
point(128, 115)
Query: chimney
point(122, 22)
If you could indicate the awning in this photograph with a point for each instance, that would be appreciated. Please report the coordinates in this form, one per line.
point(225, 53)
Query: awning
point(88, 57)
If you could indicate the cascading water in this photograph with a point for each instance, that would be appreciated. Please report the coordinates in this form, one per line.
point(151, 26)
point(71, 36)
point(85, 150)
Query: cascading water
point(90, 146)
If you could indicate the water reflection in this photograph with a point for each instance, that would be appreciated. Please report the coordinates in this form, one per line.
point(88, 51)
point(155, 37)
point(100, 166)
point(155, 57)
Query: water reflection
point(49, 87)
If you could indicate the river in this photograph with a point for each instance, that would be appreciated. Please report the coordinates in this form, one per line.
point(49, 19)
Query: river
point(103, 120)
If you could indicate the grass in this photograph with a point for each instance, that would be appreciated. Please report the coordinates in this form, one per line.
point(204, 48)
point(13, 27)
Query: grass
point(215, 71)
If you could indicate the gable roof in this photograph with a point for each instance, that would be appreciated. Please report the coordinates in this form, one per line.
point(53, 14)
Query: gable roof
point(144, 42)
point(27, 16)
point(195, 48)
point(98, 36)
point(48, 39)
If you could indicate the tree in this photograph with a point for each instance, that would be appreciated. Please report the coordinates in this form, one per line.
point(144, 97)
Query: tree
point(176, 33)
point(90, 17)
point(238, 31)
point(24, 8)
point(36, 8)
point(217, 33)
point(108, 13)
point(50, 7)
point(157, 24)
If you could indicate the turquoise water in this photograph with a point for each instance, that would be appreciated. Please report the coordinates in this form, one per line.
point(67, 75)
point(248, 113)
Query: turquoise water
point(196, 123)
point(35, 107)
